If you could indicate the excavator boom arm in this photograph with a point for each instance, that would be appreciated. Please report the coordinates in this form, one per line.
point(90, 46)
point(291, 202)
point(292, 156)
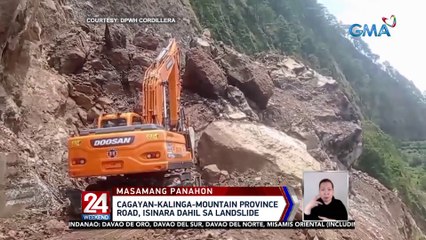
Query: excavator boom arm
point(161, 88)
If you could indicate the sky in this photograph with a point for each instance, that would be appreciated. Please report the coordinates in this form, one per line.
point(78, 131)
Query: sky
point(405, 49)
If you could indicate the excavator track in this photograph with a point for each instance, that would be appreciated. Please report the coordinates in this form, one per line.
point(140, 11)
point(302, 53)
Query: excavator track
point(173, 178)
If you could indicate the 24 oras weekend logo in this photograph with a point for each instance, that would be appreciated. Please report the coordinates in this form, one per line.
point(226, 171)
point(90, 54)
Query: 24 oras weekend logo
point(96, 205)
point(358, 30)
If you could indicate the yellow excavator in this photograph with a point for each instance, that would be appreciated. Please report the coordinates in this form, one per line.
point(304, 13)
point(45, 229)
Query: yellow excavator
point(154, 147)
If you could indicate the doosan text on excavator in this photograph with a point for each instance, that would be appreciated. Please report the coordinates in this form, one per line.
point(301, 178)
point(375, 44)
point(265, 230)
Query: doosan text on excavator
point(152, 148)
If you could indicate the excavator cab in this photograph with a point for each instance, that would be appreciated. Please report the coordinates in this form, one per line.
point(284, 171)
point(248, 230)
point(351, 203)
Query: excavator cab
point(118, 119)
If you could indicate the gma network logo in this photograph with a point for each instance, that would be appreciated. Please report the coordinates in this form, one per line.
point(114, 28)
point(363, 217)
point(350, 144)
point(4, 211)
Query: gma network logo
point(357, 30)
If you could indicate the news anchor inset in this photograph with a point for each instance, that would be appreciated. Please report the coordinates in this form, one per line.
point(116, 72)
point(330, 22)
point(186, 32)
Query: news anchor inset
point(324, 205)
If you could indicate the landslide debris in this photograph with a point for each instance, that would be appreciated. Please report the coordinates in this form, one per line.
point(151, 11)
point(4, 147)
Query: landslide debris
point(314, 109)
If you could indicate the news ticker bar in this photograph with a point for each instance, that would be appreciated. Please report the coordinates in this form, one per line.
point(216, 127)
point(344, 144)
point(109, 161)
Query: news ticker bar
point(212, 225)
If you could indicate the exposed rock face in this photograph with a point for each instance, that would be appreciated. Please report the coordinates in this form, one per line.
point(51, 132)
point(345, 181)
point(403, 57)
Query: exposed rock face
point(36, 110)
point(8, 10)
point(50, 90)
point(239, 146)
point(203, 75)
point(312, 108)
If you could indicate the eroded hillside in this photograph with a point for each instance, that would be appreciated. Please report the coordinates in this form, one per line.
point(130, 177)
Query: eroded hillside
point(58, 73)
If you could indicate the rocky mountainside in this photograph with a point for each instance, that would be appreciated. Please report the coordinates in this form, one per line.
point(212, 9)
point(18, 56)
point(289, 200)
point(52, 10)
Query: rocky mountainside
point(280, 117)
point(306, 28)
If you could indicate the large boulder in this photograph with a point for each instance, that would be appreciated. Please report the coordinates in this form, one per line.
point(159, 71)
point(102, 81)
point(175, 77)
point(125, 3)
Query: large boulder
point(146, 40)
point(250, 77)
point(120, 59)
point(202, 75)
point(240, 146)
point(72, 61)
point(68, 61)
point(68, 54)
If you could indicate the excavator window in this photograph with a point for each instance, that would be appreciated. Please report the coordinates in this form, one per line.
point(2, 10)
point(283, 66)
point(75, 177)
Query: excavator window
point(136, 120)
point(113, 122)
point(122, 122)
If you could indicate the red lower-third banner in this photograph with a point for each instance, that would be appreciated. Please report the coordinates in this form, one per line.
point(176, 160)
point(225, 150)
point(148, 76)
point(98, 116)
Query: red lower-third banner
point(191, 204)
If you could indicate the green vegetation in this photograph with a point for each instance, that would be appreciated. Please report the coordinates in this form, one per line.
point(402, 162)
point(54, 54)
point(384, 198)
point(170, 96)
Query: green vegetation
point(383, 160)
point(304, 28)
point(415, 155)
point(394, 110)
point(415, 152)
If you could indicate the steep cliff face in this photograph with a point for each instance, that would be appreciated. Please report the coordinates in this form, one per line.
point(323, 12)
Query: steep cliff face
point(35, 104)
point(58, 73)
point(55, 77)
